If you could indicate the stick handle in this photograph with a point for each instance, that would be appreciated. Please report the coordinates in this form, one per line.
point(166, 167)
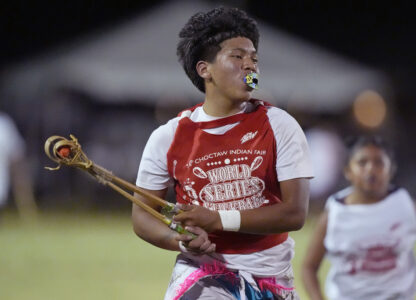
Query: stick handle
point(99, 171)
point(174, 226)
point(161, 202)
point(143, 205)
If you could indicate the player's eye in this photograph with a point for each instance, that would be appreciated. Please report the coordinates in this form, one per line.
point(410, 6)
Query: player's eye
point(362, 162)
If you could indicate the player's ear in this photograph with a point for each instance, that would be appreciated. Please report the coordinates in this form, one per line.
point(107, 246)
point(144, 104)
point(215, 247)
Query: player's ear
point(393, 169)
point(347, 173)
point(203, 70)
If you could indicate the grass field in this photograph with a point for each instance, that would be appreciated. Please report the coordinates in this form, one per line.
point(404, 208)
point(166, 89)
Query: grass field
point(72, 256)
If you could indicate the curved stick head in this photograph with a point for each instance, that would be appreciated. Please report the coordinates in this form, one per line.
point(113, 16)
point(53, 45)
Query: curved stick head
point(66, 152)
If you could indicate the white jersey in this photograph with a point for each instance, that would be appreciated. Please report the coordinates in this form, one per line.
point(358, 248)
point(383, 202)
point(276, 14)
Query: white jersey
point(370, 247)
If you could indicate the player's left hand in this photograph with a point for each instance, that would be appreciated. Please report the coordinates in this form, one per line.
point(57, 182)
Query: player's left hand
point(197, 245)
point(194, 215)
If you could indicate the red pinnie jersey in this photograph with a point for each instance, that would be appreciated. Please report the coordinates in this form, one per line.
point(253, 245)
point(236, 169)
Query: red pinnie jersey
point(231, 171)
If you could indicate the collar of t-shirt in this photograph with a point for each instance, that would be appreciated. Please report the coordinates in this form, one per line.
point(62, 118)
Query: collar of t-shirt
point(199, 115)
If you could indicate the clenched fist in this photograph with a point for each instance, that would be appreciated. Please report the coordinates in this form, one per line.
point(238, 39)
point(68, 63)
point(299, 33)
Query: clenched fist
point(198, 245)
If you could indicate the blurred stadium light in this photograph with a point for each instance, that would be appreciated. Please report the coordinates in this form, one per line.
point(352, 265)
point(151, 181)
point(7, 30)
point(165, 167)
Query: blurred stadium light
point(370, 109)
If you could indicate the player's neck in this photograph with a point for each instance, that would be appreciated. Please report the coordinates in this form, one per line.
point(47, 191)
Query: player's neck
point(220, 106)
point(360, 197)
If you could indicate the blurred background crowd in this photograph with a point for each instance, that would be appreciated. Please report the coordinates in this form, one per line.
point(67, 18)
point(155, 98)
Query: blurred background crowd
point(109, 75)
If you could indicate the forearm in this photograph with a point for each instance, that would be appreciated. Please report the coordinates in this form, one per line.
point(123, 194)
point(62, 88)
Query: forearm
point(288, 215)
point(313, 259)
point(275, 218)
point(311, 283)
point(22, 189)
point(153, 230)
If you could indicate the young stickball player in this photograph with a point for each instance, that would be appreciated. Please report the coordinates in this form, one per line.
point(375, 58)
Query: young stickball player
point(367, 231)
point(240, 170)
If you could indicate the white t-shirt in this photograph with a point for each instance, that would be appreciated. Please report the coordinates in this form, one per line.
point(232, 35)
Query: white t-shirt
point(291, 148)
point(11, 148)
point(370, 247)
point(292, 162)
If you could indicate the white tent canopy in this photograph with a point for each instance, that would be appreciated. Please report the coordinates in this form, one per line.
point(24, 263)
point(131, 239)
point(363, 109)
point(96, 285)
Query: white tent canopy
point(137, 61)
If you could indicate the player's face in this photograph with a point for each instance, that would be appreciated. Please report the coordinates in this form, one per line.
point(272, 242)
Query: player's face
point(233, 62)
point(370, 170)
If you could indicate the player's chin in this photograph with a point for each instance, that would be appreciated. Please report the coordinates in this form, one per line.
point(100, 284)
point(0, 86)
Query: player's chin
point(374, 190)
point(240, 93)
point(245, 94)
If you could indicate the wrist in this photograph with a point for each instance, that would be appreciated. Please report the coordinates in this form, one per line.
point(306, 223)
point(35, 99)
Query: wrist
point(230, 220)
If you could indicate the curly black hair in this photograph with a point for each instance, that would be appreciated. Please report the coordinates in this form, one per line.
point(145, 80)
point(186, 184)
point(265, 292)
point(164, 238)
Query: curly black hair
point(202, 35)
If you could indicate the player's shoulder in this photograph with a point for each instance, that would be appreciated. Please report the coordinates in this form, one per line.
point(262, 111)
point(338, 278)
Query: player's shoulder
point(400, 192)
point(8, 129)
point(338, 197)
point(279, 115)
point(6, 120)
point(396, 189)
point(166, 131)
point(274, 110)
point(280, 120)
point(189, 111)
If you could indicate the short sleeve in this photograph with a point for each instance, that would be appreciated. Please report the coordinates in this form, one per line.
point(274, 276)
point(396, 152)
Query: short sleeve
point(153, 171)
point(292, 151)
point(329, 202)
point(13, 146)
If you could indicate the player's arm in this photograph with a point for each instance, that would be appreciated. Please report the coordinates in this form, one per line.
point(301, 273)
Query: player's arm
point(313, 260)
point(157, 233)
point(294, 170)
point(288, 215)
point(153, 173)
point(22, 188)
point(149, 228)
